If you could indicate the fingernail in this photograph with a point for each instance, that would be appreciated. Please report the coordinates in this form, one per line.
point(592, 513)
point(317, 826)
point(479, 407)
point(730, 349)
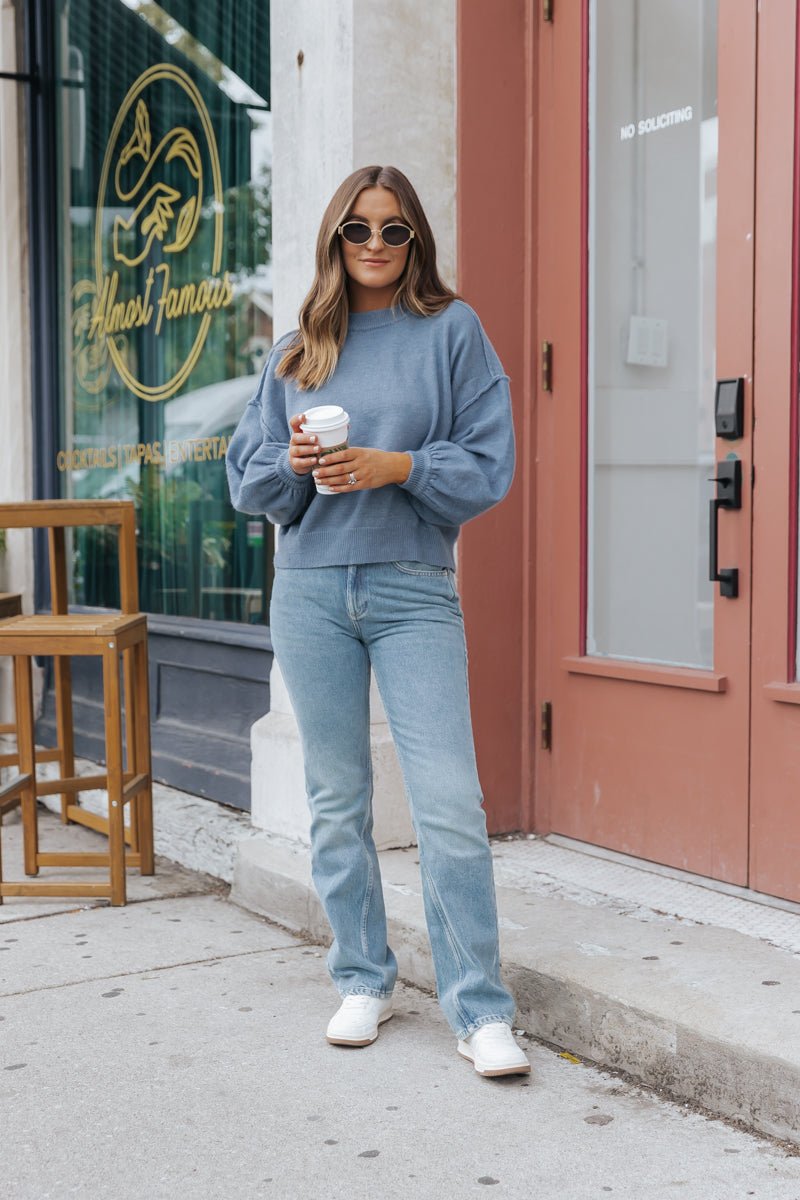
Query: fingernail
point(322, 459)
point(315, 474)
point(312, 439)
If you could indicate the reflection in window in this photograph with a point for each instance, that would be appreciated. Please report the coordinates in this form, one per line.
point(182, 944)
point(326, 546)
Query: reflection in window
point(165, 165)
point(652, 306)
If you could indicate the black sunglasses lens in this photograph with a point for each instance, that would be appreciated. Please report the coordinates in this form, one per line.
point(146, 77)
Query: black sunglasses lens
point(396, 235)
point(356, 233)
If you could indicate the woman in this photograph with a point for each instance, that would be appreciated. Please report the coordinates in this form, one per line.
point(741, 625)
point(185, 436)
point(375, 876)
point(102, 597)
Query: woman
point(364, 578)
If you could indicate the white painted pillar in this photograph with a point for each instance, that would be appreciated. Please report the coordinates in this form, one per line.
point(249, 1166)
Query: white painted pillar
point(357, 82)
point(16, 442)
point(279, 796)
point(354, 82)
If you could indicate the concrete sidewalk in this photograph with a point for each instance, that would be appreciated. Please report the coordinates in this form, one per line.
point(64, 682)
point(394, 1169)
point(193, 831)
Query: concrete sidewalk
point(175, 1047)
point(686, 987)
point(697, 993)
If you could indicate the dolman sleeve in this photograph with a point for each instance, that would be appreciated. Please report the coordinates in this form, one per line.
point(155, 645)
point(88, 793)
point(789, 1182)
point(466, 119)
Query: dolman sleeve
point(260, 478)
point(457, 478)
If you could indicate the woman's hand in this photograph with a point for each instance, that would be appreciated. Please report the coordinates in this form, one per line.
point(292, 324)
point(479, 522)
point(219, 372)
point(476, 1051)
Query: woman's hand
point(370, 468)
point(303, 447)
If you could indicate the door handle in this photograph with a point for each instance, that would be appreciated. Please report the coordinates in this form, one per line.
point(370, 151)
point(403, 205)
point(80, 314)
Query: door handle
point(729, 495)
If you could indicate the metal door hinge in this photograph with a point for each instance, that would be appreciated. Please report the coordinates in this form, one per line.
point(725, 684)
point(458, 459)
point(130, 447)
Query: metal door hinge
point(547, 366)
point(547, 9)
point(547, 726)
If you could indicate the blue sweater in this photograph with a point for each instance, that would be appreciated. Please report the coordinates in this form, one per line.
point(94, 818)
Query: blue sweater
point(431, 386)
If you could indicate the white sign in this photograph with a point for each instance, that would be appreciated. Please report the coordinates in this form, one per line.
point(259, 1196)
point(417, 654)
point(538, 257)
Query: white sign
point(676, 116)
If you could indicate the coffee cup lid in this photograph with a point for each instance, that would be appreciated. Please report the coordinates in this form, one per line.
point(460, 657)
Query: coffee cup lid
point(324, 416)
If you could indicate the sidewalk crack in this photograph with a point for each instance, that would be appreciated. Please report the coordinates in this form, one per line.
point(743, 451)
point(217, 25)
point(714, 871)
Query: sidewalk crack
point(53, 987)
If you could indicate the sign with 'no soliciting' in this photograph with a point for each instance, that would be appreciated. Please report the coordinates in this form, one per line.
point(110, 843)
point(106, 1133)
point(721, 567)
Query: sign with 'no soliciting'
point(664, 120)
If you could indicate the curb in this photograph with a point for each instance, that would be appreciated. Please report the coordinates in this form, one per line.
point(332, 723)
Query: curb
point(682, 1008)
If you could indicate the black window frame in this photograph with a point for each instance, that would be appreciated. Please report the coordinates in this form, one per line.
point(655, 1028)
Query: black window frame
point(185, 755)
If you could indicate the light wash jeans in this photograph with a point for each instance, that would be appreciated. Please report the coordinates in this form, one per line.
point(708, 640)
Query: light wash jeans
point(329, 624)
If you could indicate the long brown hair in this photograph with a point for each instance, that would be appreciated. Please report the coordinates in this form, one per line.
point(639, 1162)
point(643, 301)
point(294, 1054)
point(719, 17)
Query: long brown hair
point(312, 356)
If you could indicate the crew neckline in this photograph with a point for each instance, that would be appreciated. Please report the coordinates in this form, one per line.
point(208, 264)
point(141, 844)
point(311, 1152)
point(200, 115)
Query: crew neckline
point(376, 317)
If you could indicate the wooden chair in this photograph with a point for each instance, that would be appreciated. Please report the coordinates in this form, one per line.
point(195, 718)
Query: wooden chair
point(64, 636)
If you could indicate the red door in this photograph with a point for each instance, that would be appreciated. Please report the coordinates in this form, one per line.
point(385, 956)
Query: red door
point(649, 258)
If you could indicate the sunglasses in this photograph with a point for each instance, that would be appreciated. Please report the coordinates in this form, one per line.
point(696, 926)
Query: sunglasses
point(394, 235)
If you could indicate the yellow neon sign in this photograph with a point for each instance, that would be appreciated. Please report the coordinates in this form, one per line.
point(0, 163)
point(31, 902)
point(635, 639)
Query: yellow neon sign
point(106, 309)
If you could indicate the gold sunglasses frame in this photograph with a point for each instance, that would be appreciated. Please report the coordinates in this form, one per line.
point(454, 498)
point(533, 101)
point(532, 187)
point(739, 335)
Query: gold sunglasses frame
point(374, 229)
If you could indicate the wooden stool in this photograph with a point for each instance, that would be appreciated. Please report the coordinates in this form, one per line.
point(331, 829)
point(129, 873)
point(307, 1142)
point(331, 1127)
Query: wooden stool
point(110, 637)
point(56, 516)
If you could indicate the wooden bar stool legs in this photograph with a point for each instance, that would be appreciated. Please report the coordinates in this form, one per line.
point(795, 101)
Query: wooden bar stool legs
point(65, 752)
point(65, 737)
point(131, 733)
point(23, 691)
point(21, 790)
point(59, 601)
point(142, 801)
point(10, 606)
point(116, 800)
point(128, 775)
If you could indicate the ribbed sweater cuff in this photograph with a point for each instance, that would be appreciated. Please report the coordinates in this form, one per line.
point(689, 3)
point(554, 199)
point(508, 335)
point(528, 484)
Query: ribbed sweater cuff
point(420, 470)
point(287, 475)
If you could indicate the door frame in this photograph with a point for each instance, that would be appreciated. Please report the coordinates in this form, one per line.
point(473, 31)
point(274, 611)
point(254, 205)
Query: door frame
point(775, 738)
point(563, 298)
point(496, 145)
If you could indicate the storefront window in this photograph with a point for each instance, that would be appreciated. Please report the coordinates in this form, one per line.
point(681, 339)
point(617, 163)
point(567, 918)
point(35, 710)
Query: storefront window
point(165, 285)
point(652, 316)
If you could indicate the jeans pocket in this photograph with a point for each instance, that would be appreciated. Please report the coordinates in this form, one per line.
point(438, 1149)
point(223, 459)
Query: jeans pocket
point(410, 567)
point(435, 576)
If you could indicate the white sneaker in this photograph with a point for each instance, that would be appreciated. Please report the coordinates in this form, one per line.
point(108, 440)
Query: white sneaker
point(356, 1023)
point(492, 1050)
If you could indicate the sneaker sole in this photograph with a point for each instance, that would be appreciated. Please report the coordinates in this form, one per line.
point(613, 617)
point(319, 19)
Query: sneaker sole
point(490, 1074)
point(338, 1041)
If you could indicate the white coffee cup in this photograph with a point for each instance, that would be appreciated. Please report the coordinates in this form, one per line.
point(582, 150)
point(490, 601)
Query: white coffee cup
point(330, 424)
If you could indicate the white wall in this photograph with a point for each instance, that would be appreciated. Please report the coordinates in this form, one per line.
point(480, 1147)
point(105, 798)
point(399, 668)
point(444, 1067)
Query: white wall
point(16, 445)
point(312, 106)
point(404, 70)
point(377, 84)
